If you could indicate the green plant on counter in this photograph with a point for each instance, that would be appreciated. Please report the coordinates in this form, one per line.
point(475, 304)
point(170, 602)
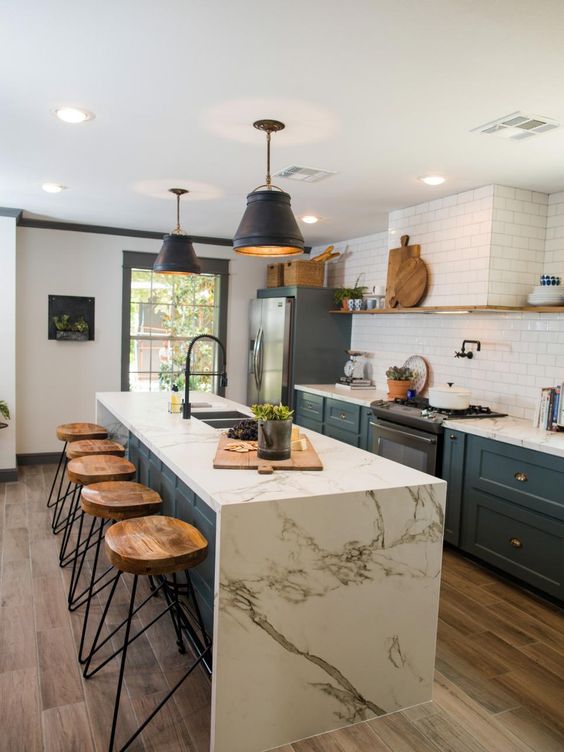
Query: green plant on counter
point(80, 325)
point(4, 411)
point(399, 373)
point(267, 411)
point(354, 293)
point(62, 323)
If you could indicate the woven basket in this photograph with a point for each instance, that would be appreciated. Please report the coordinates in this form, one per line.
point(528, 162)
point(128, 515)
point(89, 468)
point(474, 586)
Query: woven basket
point(304, 274)
point(275, 275)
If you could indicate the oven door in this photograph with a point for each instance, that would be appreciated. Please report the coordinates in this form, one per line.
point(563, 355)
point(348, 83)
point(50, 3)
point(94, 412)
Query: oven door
point(406, 445)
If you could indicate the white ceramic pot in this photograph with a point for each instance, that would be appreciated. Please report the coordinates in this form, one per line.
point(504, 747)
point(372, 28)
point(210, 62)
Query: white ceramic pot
point(449, 397)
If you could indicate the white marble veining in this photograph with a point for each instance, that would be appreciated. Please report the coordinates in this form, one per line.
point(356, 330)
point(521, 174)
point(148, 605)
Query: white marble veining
point(326, 585)
point(509, 429)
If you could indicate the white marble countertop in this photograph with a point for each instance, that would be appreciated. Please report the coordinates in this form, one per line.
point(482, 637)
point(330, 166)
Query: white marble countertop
point(362, 397)
point(188, 447)
point(512, 431)
point(509, 429)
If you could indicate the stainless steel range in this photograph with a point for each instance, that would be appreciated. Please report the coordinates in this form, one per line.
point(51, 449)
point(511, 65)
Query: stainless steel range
point(411, 432)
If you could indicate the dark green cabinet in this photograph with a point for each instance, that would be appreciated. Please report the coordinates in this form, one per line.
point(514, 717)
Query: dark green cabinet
point(513, 511)
point(333, 417)
point(453, 473)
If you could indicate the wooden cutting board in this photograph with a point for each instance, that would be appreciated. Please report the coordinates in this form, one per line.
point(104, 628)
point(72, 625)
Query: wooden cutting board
point(411, 283)
point(396, 259)
point(224, 460)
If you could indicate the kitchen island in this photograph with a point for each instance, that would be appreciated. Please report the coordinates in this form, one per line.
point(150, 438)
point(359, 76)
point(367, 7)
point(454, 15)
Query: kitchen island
point(325, 584)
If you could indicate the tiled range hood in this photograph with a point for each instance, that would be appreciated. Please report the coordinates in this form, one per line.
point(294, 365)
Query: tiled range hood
point(482, 247)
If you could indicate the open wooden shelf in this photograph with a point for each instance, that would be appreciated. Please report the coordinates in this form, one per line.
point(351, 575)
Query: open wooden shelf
point(455, 309)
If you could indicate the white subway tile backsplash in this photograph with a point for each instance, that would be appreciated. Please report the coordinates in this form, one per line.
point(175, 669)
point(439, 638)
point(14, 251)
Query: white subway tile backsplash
point(489, 245)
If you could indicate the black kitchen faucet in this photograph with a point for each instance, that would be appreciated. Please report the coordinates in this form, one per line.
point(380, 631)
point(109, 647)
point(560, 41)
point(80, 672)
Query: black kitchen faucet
point(463, 353)
point(186, 407)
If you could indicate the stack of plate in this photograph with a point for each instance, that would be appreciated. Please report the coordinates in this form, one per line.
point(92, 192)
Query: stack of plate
point(546, 296)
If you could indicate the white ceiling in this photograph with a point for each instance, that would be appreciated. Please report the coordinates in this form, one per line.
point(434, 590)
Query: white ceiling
point(380, 91)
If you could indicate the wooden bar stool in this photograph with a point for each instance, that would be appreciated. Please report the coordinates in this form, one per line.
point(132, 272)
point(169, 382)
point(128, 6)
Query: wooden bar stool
point(155, 546)
point(70, 432)
point(83, 471)
point(83, 448)
point(110, 501)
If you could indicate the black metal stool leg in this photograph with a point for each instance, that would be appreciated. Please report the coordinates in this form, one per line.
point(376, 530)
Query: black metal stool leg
point(122, 665)
point(76, 567)
point(95, 647)
point(81, 658)
point(59, 522)
point(54, 483)
point(71, 517)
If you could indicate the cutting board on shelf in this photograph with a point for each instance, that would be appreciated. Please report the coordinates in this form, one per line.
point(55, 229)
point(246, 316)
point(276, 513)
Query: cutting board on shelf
point(225, 460)
point(407, 275)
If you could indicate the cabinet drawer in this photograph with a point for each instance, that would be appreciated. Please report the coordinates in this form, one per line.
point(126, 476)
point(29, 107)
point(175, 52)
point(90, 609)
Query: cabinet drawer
point(525, 544)
point(337, 433)
point(313, 425)
point(342, 415)
point(309, 406)
point(532, 479)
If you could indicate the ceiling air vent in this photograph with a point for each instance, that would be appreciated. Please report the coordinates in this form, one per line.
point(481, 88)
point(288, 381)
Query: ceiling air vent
point(517, 126)
point(305, 174)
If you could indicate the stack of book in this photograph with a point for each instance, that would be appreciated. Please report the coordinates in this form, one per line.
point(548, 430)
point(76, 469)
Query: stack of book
point(549, 413)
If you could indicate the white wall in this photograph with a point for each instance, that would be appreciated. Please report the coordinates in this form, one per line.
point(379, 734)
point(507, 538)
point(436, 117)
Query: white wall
point(518, 244)
point(56, 382)
point(554, 253)
point(8, 338)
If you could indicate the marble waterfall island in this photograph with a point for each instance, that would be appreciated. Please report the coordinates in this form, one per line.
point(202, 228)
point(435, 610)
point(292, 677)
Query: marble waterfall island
point(325, 589)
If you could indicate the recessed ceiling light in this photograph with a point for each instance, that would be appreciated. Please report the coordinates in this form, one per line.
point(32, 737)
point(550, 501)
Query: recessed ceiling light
point(309, 219)
point(432, 180)
point(73, 114)
point(53, 187)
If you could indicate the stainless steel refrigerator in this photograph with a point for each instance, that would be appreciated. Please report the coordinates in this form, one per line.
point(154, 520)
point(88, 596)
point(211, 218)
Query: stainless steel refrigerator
point(294, 339)
point(270, 349)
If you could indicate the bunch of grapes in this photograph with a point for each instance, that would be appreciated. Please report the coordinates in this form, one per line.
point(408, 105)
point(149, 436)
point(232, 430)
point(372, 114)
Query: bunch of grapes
point(246, 430)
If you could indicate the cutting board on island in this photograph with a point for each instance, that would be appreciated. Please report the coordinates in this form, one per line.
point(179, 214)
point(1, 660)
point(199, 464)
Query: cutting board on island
point(308, 459)
point(407, 275)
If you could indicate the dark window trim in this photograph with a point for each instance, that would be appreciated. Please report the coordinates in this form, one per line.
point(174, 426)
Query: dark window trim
point(138, 260)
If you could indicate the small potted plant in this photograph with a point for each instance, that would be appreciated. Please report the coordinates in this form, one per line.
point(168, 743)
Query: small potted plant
point(399, 381)
point(4, 413)
point(274, 431)
point(343, 296)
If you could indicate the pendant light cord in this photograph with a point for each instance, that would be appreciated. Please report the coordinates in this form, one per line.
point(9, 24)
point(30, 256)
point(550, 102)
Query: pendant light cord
point(268, 178)
point(178, 231)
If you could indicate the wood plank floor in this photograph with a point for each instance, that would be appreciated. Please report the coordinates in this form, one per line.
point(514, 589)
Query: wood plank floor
point(499, 668)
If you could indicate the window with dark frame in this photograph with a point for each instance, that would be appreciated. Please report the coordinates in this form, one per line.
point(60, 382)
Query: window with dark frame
point(162, 313)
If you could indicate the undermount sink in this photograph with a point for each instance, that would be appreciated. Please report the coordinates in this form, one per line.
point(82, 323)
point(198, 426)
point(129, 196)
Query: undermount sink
point(221, 418)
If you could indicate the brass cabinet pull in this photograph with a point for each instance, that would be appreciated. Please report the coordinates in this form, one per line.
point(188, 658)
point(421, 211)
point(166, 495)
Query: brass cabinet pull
point(452, 437)
point(516, 543)
point(521, 477)
point(343, 416)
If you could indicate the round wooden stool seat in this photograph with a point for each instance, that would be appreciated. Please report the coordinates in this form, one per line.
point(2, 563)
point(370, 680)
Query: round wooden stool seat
point(99, 467)
point(77, 431)
point(154, 545)
point(88, 447)
point(119, 500)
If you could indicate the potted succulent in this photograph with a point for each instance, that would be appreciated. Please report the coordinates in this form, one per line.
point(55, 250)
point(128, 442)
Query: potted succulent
point(399, 381)
point(274, 431)
point(342, 296)
point(4, 413)
point(71, 330)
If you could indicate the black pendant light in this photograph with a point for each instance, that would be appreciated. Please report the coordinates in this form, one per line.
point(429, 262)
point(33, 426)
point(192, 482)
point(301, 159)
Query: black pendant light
point(177, 255)
point(268, 227)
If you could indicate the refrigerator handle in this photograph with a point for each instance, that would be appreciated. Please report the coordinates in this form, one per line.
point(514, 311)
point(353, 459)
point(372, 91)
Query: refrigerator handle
point(258, 358)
